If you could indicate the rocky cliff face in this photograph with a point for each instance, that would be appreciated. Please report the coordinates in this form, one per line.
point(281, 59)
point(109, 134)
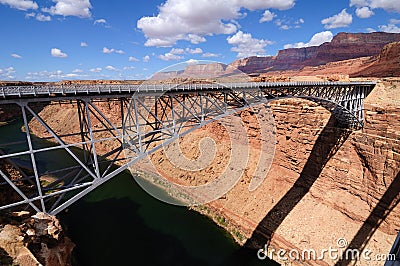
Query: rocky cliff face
point(386, 64)
point(253, 64)
point(36, 240)
point(324, 184)
point(342, 47)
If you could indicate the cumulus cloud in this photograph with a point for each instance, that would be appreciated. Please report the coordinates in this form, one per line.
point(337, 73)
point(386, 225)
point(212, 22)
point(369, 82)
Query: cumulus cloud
point(96, 70)
point(388, 5)
point(263, 4)
point(210, 55)
point(316, 40)
point(343, 19)
point(391, 27)
point(38, 17)
point(111, 68)
point(20, 4)
point(52, 75)
point(146, 58)
point(267, 16)
point(100, 21)
point(112, 50)
point(177, 21)
point(76, 8)
point(133, 59)
point(7, 73)
point(84, 44)
point(17, 56)
point(245, 45)
point(41, 17)
point(194, 51)
point(55, 52)
point(108, 51)
point(170, 56)
point(364, 12)
point(192, 62)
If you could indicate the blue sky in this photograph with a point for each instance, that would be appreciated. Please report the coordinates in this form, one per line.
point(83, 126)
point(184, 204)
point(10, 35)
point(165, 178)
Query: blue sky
point(50, 40)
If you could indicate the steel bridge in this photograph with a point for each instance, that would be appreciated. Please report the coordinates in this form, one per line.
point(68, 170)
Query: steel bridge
point(148, 116)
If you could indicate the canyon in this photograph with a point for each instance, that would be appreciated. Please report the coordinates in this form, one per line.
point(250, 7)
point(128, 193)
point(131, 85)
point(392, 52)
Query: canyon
point(324, 183)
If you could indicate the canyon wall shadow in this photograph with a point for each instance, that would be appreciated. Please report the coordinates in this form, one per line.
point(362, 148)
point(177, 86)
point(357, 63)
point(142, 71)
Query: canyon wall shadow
point(327, 144)
point(386, 204)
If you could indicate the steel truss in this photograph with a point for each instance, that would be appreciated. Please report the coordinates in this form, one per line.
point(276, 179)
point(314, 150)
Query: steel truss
point(104, 144)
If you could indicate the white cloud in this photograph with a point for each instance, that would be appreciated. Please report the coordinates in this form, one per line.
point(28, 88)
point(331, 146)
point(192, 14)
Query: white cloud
point(7, 73)
point(284, 27)
point(388, 5)
point(286, 24)
point(76, 8)
point(111, 68)
point(128, 68)
point(192, 62)
point(263, 4)
point(364, 12)
point(29, 15)
point(41, 17)
point(391, 27)
point(55, 52)
point(180, 51)
point(77, 70)
point(170, 56)
point(343, 19)
point(84, 44)
point(17, 56)
point(316, 40)
point(267, 16)
point(96, 70)
point(194, 51)
point(177, 51)
point(20, 4)
point(245, 45)
point(210, 55)
point(193, 20)
point(112, 50)
point(146, 58)
point(108, 51)
point(52, 75)
point(133, 59)
point(100, 21)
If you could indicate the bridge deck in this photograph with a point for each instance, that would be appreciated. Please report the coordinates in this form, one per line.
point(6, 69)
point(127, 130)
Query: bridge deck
point(103, 90)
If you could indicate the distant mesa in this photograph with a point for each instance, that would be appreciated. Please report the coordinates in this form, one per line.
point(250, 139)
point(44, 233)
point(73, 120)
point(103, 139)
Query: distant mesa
point(200, 71)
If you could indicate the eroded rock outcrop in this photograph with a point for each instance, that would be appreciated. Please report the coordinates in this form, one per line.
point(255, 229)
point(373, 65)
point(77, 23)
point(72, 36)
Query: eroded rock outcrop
point(386, 64)
point(36, 240)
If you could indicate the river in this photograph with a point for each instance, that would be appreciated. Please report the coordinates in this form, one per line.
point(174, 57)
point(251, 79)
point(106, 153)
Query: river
point(120, 224)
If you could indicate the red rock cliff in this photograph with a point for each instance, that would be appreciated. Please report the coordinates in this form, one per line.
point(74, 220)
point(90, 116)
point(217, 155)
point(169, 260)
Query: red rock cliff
point(342, 47)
